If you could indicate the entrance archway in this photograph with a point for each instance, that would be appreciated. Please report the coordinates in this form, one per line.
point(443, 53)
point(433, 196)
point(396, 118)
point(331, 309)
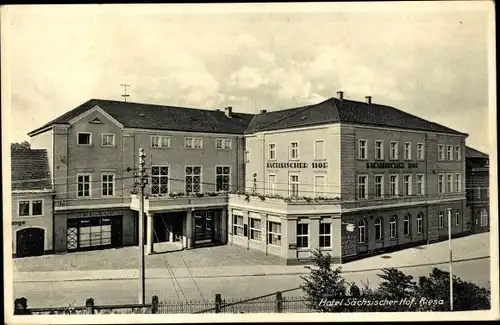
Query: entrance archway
point(30, 242)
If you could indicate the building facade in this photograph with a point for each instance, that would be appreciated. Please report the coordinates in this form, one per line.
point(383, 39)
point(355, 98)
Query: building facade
point(348, 178)
point(193, 157)
point(478, 197)
point(32, 200)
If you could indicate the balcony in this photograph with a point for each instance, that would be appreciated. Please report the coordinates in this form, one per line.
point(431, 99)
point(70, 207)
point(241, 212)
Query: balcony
point(284, 205)
point(179, 201)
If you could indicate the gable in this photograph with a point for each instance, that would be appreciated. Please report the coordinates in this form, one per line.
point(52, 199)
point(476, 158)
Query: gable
point(95, 115)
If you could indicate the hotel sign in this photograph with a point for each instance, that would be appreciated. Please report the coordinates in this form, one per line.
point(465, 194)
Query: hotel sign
point(297, 165)
point(380, 165)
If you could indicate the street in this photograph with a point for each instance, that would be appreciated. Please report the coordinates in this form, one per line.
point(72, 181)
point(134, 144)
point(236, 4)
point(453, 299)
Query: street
point(46, 294)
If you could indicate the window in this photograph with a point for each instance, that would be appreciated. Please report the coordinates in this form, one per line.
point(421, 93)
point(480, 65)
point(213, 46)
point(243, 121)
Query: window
point(407, 185)
point(440, 183)
point(393, 227)
point(83, 185)
point(274, 233)
point(457, 217)
point(158, 141)
point(378, 229)
point(419, 223)
point(272, 151)
point(393, 185)
point(319, 185)
point(441, 152)
point(247, 156)
point(441, 219)
point(255, 228)
point(159, 179)
point(302, 235)
point(272, 184)
point(379, 150)
point(484, 218)
point(379, 186)
point(449, 178)
point(196, 143)
point(406, 225)
point(294, 185)
point(394, 150)
point(361, 231)
point(407, 151)
point(319, 149)
point(238, 225)
point(193, 179)
point(420, 184)
point(458, 186)
point(84, 138)
point(294, 150)
point(420, 151)
point(325, 233)
point(362, 149)
point(108, 184)
point(449, 152)
point(24, 208)
point(362, 187)
point(30, 208)
point(222, 178)
point(223, 144)
point(36, 207)
point(458, 154)
point(108, 139)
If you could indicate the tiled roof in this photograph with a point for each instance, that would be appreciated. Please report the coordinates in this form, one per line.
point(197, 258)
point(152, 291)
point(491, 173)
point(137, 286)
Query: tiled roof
point(347, 111)
point(30, 170)
point(473, 153)
point(158, 117)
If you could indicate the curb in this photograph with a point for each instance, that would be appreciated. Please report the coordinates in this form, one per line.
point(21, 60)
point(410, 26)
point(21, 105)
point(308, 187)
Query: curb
point(156, 277)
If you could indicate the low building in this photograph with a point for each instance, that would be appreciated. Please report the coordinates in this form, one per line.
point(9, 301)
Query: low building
point(32, 201)
point(478, 197)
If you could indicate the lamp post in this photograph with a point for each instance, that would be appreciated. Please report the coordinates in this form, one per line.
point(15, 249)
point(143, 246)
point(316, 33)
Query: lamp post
point(451, 259)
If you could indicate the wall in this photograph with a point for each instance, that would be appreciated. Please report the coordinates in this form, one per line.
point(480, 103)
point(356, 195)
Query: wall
point(258, 148)
point(44, 221)
point(177, 156)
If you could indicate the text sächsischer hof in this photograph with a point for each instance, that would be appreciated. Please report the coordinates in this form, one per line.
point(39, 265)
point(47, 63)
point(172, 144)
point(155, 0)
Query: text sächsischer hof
point(360, 302)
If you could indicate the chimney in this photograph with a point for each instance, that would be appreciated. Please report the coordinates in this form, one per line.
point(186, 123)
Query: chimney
point(229, 111)
point(368, 99)
point(340, 95)
point(263, 111)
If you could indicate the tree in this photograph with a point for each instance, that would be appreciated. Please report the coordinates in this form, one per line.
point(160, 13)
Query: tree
point(324, 286)
point(20, 146)
point(434, 290)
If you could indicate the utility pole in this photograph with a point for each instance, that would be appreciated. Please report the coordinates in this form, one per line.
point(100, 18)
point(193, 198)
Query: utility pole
point(125, 95)
point(142, 183)
point(451, 259)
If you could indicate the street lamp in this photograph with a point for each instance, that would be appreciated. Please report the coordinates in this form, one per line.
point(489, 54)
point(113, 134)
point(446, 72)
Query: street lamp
point(451, 259)
point(349, 226)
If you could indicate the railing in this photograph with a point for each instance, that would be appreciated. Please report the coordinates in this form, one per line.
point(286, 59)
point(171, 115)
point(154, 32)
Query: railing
point(270, 303)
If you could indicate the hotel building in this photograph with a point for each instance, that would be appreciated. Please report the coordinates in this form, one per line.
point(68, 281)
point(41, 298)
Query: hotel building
point(349, 178)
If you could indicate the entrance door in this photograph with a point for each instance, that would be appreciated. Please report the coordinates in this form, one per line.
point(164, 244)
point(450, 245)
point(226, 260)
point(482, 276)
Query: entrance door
point(30, 242)
point(204, 226)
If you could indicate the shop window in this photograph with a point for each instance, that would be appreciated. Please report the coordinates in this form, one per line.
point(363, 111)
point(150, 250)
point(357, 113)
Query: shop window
point(484, 218)
point(302, 235)
point(255, 229)
point(238, 225)
point(274, 233)
point(325, 234)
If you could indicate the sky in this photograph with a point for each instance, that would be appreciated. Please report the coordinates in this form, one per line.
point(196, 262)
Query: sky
point(429, 59)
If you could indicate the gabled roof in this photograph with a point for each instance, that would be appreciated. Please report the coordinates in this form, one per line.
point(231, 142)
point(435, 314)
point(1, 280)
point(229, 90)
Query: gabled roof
point(347, 111)
point(30, 170)
point(159, 117)
point(473, 153)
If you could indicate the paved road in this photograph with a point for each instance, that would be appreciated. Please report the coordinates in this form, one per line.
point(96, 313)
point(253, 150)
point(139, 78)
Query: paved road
point(45, 294)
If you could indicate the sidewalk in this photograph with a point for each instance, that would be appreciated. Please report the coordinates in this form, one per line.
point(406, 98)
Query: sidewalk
point(465, 248)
